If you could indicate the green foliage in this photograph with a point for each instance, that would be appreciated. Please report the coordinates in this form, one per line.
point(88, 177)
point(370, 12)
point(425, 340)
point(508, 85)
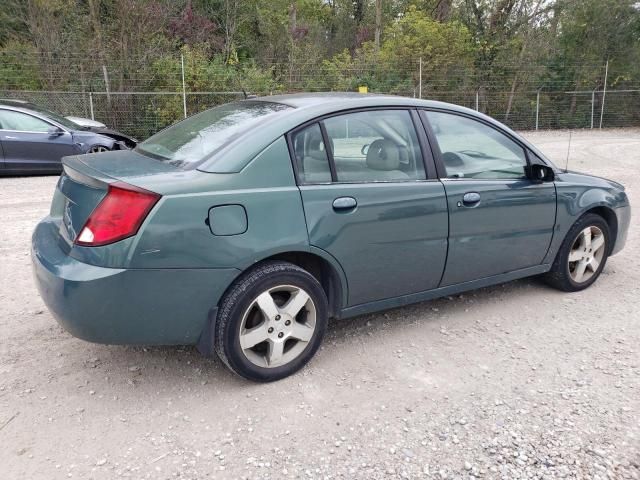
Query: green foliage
point(594, 31)
point(203, 74)
point(502, 49)
point(445, 48)
point(15, 73)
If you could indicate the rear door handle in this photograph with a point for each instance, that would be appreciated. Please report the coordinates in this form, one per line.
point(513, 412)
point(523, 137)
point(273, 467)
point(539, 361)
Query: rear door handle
point(343, 204)
point(470, 199)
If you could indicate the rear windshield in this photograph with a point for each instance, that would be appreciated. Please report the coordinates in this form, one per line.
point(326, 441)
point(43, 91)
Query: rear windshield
point(193, 140)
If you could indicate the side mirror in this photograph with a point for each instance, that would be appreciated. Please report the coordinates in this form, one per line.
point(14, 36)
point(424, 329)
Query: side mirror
point(55, 131)
point(540, 173)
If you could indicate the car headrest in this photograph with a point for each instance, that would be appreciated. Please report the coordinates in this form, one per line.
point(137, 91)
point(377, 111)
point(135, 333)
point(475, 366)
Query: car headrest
point(383, 155)
point(315, 147)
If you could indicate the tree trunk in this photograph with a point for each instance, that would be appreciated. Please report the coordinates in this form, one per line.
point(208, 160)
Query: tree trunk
point(230, 25)
point(293, 25)
point(442, 12)
point(293, 19)
point(378, 23)
point(525, 41)
point(572, 107)
point(96, 26)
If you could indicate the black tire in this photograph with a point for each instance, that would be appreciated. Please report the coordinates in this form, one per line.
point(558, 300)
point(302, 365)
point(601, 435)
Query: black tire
point(559, 276)
point(240, 297)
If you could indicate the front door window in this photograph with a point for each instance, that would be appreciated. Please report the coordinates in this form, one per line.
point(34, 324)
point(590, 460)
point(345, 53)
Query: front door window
point(471, 149)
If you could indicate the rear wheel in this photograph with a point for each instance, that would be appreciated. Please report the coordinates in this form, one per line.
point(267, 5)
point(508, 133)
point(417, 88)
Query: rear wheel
point(582, 256)
point(271, 322)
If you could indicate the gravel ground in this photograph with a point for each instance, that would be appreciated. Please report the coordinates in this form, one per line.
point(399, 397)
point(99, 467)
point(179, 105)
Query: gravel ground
point(513, 381)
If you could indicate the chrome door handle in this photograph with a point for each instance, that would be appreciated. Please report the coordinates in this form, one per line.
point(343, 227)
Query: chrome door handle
point(342, 204)
point(470, 199)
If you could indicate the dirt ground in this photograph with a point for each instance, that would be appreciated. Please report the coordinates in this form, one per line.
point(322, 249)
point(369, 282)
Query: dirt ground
point(513, 381)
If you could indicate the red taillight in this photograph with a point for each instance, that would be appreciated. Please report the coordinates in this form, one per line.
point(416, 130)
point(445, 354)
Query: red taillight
point(119, 215)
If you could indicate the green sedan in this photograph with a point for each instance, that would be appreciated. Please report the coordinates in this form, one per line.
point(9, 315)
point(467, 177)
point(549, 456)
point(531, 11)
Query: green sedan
point(245, 228)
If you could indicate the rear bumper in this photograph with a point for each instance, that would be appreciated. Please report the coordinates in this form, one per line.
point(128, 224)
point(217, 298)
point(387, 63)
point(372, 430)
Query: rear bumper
point(124, 306)
point(623, 215)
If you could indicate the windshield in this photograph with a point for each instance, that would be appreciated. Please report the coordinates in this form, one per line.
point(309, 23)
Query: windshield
point(196, 138)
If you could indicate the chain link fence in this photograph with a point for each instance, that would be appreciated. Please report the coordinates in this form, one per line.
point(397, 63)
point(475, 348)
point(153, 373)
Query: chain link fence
point(141, 114)
point(143, 97)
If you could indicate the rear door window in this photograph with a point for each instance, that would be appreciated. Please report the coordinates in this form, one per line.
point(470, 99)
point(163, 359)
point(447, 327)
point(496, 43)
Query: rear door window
point(375, 146)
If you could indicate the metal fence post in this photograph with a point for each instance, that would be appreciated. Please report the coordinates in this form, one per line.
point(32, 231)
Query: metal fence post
point(477, 99)
point(593, 104)
point(420, 78)
point(538, 106)
point(604, 91)
point(91, 105)
point(184, 88)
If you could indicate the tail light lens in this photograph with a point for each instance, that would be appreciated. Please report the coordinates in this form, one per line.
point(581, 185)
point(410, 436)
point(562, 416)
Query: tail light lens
point(118, 216)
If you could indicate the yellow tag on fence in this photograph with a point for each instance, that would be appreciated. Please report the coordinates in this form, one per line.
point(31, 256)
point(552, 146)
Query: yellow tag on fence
point(363, 89)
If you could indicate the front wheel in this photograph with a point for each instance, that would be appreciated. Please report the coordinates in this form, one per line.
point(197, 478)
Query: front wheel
point(98, 149)
point(271, 322)
point(582, 255)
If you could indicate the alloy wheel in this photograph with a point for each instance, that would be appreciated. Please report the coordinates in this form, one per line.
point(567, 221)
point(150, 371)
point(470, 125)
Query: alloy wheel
point(98, 149)
point(586, 254)
point(277, 326)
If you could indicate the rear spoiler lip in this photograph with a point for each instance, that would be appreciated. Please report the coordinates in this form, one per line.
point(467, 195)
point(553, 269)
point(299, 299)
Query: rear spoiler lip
point(83, 173)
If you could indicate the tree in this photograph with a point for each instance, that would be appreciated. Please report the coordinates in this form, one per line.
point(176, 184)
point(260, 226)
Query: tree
point(445, 48)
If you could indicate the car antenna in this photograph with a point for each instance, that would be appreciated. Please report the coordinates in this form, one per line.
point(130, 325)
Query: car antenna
point(237, 79)
point(566, 164)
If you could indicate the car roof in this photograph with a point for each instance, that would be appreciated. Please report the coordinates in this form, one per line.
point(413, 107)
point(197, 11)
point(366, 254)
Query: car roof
point(23, 106)
point(306, 107)
point(14, 102)
point(342, 100)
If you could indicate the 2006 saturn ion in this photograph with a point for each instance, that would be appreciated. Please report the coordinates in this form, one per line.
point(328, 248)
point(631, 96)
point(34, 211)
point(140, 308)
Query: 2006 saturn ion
point(244, 228)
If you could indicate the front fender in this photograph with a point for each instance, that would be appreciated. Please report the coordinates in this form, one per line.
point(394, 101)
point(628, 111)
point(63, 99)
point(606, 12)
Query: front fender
point(578, 194)
point(101, 140)
point(84, 143)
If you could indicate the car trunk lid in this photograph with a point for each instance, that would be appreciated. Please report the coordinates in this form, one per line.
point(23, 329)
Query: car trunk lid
point(85, 182)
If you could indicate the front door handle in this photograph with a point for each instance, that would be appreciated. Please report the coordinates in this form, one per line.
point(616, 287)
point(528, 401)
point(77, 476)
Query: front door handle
point(343, 204)
point(470, 199)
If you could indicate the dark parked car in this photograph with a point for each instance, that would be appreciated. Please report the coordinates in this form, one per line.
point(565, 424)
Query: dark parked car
point(34, 140)
point(244, 228)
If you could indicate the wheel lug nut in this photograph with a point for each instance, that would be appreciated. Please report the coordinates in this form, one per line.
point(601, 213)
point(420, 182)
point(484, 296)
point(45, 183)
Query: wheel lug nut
point(270, 330)
point(287, 323)
point(277, 317)
point(280, 335)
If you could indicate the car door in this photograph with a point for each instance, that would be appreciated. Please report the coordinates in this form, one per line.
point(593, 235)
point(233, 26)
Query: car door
point(29, 143)
point(499, 220)
point(369, 203)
